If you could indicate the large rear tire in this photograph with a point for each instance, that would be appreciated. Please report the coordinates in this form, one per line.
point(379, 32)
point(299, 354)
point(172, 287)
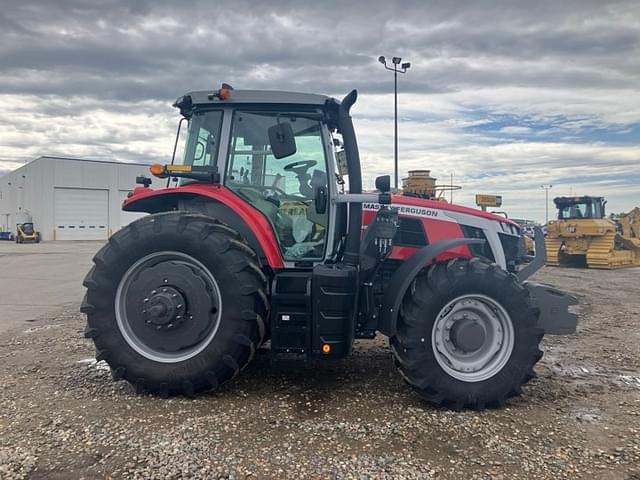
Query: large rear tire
point(176, 303)
point(467, 335)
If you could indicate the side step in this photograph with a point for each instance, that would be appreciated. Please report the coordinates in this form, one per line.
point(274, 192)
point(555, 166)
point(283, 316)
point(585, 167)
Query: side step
point(313, 313)
point(291, 315)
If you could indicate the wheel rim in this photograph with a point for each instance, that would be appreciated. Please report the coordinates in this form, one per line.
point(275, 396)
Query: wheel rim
point(472, 337)
point(168, 306)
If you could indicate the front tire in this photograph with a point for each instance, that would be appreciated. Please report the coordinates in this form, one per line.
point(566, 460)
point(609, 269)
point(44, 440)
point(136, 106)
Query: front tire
point(176, 303)
point(467, 335)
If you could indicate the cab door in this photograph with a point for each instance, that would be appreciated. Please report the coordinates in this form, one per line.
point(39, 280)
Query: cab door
point(287, 191)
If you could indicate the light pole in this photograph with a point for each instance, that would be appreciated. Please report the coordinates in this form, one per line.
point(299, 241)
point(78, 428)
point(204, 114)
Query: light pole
point(396, 68)
point(546, 202)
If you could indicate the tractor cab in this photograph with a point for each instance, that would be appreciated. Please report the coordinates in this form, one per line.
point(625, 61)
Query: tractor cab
point(277, 152)
point(27, 228)
point(580, 207)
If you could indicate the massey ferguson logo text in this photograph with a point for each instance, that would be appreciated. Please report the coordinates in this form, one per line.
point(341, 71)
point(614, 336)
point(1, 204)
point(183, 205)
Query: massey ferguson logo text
point(403, 209)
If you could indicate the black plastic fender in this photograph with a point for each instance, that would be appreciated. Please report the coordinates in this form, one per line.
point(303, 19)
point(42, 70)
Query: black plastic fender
point(405, 274)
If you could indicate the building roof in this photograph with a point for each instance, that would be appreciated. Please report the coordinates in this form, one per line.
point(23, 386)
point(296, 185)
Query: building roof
point(573, 200)
point(50, 157)
point(259, 96)
point(71, 159)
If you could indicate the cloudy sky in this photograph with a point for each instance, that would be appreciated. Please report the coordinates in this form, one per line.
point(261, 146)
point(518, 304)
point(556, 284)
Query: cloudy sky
point(504, 95)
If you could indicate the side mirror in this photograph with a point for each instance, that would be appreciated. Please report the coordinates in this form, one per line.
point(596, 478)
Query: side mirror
point(383, 183)
point(282, 140)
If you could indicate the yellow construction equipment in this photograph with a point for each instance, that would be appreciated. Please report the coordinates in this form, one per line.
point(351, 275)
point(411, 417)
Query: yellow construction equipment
point(629, 229)
point(583, 237)
point(421, 184)
point(25, 232)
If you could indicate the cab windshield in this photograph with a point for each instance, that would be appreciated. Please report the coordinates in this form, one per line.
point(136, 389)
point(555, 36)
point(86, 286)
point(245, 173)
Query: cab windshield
point(580, 210)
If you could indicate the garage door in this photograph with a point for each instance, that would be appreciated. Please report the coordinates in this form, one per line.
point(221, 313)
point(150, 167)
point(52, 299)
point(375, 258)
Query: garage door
point(81, 214)
point(127, 217)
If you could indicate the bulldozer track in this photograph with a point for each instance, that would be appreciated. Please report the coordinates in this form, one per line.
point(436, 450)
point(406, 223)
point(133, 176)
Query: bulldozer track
point(602, 253)
point(552, 246)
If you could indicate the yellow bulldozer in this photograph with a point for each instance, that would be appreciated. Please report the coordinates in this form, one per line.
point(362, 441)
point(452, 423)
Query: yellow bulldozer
point(582, 236)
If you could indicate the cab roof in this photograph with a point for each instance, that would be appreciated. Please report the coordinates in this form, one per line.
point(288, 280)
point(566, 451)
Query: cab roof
point(211, 97)
point(574, 200)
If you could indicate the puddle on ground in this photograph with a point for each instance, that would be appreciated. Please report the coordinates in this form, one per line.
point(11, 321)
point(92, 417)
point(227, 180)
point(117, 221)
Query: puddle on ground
point(92, 362)
point(627, 379)
point(41, 328)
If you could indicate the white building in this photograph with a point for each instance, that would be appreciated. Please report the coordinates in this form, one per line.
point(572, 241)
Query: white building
point(69, 199)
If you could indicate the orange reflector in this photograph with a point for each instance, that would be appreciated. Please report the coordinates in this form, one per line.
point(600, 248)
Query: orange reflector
point(326, 348)
point(157, 169)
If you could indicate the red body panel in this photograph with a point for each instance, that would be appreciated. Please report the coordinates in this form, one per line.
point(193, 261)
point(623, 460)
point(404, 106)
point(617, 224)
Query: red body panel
point(252, 217)
point(422, 202)
point(436, 230)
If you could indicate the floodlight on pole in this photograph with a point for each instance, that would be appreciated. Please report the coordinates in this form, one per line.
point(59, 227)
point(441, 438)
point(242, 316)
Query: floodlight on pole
point(395, 68)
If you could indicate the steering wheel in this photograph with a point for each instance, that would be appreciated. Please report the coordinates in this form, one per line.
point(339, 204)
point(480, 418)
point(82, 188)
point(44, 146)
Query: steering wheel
point(269, 187)
point(301, 167)
point(279, 193)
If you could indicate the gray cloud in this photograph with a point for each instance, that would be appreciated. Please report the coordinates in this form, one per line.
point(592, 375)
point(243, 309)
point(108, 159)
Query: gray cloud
point(114, 47)
point(96, 78)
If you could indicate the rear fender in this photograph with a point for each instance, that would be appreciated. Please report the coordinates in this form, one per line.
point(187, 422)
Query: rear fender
point(405, 274)
point(219, 203)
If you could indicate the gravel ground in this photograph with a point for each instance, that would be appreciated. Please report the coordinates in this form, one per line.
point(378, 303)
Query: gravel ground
point(62, 417)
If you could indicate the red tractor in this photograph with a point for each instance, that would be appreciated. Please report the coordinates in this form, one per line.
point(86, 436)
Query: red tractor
point(257, 238)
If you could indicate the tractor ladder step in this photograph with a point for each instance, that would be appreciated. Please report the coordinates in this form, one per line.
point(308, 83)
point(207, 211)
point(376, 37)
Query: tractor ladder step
point(291, 313)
